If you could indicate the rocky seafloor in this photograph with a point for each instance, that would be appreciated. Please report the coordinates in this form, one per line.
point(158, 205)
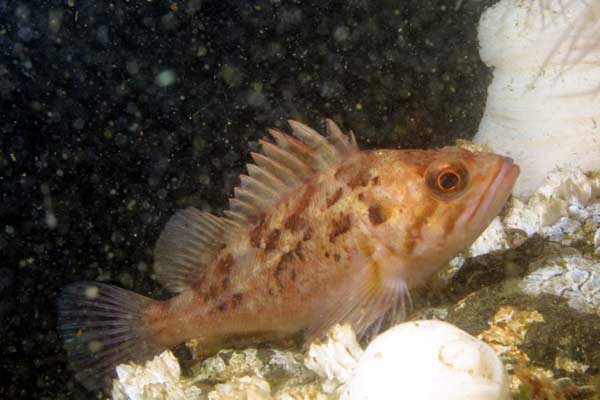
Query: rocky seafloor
point(529, 287)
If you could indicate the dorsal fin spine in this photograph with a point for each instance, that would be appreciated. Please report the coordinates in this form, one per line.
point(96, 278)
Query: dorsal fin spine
point(299, 149)
point(249, 197)
point(337, 137)
point(278, 169)
point(242, 207)
point(286, 158)
point(266, 177)
point(315, 141)
point(236, 217)
point(352, 138)
point(262, 190)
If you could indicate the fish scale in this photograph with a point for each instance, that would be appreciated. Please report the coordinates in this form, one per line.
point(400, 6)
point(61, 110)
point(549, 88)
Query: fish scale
point(317, 233)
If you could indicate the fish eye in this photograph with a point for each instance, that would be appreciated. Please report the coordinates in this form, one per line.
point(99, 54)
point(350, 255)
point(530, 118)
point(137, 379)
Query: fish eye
point(447, 180)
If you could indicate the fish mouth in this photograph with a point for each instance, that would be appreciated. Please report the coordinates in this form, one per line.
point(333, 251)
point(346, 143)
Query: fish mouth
point(499, 191)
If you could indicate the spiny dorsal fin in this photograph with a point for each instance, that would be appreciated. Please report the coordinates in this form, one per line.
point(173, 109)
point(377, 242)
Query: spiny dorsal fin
point(190, 241)
point(284, 165)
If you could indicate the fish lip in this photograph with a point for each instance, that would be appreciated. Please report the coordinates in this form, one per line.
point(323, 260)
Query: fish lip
point(501, 187)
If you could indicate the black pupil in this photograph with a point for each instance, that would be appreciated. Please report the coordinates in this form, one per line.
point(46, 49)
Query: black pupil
point(448, 180)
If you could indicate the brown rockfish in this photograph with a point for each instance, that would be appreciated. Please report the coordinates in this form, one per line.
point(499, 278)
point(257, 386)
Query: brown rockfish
point(317, 233)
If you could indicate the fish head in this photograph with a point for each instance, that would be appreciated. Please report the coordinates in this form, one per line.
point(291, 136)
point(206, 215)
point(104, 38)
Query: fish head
point(470, 189)
point(443, 200)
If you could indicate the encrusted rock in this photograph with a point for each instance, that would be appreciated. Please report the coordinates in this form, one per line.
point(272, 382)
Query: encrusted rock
point(335, 358)
point(278, 367)
point(158, 379)
point(494, 238)
point(244, 388)
point(540, 338)
point(568, 276)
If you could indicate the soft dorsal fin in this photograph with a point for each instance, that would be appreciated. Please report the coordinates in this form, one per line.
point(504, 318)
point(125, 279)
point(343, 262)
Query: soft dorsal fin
point(189, 242)
point(284, 165)
point(192, 239)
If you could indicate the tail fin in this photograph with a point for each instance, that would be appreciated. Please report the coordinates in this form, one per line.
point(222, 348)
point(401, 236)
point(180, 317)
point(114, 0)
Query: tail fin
point(103, 326)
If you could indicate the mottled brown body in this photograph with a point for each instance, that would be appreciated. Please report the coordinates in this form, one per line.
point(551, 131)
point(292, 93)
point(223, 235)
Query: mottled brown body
point(317, 233)
point(292, 265)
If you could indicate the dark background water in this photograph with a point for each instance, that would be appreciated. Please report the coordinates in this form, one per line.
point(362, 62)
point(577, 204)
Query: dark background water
point(116, 113)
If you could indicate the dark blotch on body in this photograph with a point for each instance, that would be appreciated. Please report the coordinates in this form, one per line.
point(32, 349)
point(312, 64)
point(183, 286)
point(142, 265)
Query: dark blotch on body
point(236, 300)
point(212, 293)
point(256, 233)
point(360, 179)
point(224, 264)
point(414, 233)
point(299, 252)
point(339, 226)
point(282, 266)
point(295, 222)
point(272, 240)
point(334, 198)
point(231, 304)
point(220, 281)
point(354, 174)
point(225, 283)
point(376, 214)
point(307, 234)
point(343, 171)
